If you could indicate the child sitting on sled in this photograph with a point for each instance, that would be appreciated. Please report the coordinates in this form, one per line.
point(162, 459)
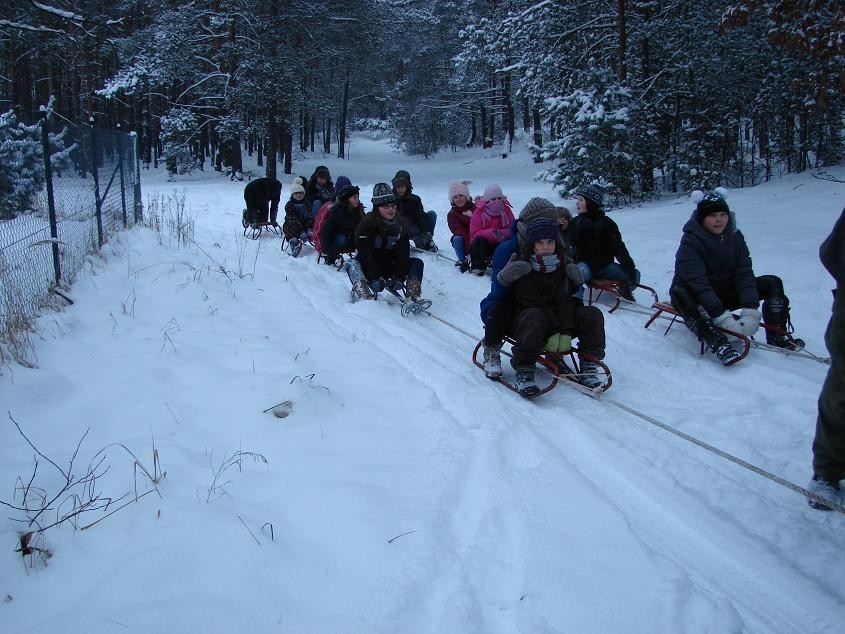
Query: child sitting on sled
point(601, 252)
point(458, 219)
point(299, 221)
point(489, 227)
point(383, 260)
point(713, 276)
point(544, 308)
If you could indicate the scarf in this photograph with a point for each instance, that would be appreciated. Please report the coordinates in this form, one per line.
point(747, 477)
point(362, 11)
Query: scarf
point(495, 209)
point(545, 263)
point(392, 232)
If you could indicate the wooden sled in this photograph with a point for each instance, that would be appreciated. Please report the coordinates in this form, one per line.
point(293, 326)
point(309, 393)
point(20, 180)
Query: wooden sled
point(556, 366)
point(667, 311)
point(600, 286)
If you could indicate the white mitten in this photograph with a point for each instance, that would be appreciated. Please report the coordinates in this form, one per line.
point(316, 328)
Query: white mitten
point(749, 321)
point(726, 320)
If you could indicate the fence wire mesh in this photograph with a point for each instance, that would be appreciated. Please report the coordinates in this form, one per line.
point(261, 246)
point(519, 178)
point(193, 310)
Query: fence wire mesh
point(95, 194)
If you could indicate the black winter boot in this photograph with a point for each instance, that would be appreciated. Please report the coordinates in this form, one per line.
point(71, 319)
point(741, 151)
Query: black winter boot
point(776, 313)
point(715, 339)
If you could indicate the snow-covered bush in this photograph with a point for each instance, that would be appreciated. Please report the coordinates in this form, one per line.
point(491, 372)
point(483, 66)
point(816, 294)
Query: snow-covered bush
point(178, 133)
point(22, 174)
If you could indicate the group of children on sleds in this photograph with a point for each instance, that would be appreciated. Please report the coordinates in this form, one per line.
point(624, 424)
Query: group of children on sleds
point(539, 261)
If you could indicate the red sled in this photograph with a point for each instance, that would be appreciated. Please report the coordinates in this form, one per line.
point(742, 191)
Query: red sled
point(673, 315)
point(558, 366)
point(613, 287)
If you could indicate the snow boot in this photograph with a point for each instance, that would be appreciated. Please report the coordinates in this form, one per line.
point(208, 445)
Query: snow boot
point(726, 354)
point(360, 290)
point(715, 339)
point(295, 247)
point(525, 383)
point(776, 313)
point(463, 265)
point(590, 375)
point(825, 489)
point(492, 362)
point(413, 289)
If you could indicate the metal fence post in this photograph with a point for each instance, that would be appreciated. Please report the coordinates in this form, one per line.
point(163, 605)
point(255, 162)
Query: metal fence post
point(95, 172)
point(51, 202)
point(136, 147)
point(122, 185)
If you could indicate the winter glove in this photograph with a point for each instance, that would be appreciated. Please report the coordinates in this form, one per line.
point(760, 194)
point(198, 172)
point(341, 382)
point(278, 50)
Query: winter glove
point(726, 320)
point(513, 270)
point(396, 284)
point(558, 343)
point(574, 274)
point(499, 235)
point(377, 285)
point(749, 321)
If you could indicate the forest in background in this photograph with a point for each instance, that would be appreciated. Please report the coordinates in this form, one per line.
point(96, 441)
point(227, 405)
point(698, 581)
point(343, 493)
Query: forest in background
point(638, 96)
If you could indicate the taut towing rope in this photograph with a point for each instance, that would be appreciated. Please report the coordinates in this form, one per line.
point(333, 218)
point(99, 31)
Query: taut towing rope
point(675, 432)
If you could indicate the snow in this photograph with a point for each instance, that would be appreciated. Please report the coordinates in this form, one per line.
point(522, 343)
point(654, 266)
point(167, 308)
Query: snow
point(404, 491)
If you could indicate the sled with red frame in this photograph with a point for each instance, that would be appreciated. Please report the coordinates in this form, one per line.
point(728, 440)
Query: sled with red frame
point(613, 287)
point(556, 366)
point(665, 310)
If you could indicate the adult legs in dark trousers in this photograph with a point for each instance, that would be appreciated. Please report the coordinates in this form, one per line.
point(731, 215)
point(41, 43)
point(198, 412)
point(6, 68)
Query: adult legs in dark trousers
point(829, 441)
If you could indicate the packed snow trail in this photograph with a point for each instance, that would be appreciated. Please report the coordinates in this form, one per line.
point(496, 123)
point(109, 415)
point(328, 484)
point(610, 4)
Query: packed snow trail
point(405, 491)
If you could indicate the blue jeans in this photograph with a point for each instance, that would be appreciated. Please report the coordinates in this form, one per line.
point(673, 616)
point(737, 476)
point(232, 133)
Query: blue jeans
point(612, 271)
point(459, 247)
point(431, 222)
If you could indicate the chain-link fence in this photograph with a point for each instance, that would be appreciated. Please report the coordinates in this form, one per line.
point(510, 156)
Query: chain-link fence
point(91, 191)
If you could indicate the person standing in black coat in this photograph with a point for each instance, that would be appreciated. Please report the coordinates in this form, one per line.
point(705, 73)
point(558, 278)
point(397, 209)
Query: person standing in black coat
point(713, 276)
point(600, 251)
point(258, 194)
point(829, 441)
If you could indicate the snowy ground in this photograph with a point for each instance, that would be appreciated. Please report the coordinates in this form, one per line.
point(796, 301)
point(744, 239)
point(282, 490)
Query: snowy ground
point(405, 492)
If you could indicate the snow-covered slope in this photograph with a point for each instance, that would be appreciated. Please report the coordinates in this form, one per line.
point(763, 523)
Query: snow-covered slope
point(406, 492)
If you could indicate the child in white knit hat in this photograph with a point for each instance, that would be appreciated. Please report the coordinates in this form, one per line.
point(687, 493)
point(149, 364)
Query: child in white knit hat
point(458, 219)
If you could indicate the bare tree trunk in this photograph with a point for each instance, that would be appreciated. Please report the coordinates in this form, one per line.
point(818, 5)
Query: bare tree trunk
point(287, 140)
point(526, 115)
point(486, 135)
point(341, 144)
point(623, 42)
point(510, 115)
point(538, 134)
point(272, 144)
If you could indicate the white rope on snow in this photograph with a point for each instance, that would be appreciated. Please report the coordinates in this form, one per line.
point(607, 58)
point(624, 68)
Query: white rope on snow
point(678, 433)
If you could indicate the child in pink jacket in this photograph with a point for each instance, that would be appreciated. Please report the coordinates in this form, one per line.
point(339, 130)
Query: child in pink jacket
point(490, 225)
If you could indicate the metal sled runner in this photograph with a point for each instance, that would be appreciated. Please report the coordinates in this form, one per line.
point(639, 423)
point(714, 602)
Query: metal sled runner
point(614, 287)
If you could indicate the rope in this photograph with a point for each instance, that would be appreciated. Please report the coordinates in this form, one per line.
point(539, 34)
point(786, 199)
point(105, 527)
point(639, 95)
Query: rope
point(678, 433)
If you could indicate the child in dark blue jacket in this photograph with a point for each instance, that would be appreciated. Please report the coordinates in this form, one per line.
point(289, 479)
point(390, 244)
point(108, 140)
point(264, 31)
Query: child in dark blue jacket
point(713, 276)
